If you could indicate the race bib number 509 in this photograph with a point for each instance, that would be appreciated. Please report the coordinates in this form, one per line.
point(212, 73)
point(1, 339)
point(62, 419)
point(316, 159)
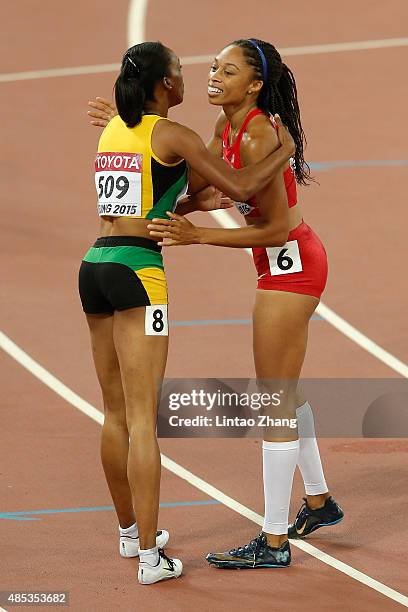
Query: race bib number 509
point(118, 181)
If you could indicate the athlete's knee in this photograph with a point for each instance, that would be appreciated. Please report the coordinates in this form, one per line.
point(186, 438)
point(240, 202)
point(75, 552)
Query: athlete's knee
point(142, 423)
point(113, 398)
point(140, 398)
point(115, 416)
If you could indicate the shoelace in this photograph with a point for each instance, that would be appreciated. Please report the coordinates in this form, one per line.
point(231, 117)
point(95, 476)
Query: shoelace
point(260, 540)
point(254, 545)
point(163, 555)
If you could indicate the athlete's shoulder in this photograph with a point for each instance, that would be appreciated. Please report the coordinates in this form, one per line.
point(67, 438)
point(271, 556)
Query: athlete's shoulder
point(172, 129)
point(261, 128)
point(114, 124)
point(177, 141)
point(111, 134)
point(260, 139)
point(168, 124)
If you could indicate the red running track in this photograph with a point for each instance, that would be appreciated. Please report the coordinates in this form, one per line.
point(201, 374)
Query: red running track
point(352, 110)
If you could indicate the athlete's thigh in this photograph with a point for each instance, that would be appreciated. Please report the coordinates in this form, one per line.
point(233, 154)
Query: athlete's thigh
point(142, 357)
point(280, 332)
point(106, 362)
point(103, 348)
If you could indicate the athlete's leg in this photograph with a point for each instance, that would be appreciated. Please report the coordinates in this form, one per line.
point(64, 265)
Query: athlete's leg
point(280, 336)
point(115, 435)
point(142, 362)
point(309, 461)
point(282, 318)
point(280, 339)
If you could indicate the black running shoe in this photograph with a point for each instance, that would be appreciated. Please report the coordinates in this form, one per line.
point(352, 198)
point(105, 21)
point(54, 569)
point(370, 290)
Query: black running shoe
point(255, 554)
point(308, 520)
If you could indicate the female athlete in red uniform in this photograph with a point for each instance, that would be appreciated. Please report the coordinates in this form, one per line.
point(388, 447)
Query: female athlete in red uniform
point(250, 81)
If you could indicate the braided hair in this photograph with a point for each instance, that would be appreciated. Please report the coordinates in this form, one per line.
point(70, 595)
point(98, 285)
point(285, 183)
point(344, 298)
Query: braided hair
point(278, 94)
point(142, 67)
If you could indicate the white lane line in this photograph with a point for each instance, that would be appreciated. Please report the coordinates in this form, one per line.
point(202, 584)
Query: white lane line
point(52, 382)
point(231, 503)
point(226, 221)
point(57, 72)
point(72, 398)
point(136, 21)
point(359, 338)
point(135, 34)
point(48, 379)
point(361, 45)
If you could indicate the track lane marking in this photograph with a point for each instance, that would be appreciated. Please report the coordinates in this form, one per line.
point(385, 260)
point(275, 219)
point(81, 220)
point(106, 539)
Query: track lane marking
point(20, 515)
point(57, 386)
point(135, 35)
point(14, 351)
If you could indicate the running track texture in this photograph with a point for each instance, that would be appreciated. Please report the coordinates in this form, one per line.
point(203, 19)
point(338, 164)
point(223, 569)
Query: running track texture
point(57, 529)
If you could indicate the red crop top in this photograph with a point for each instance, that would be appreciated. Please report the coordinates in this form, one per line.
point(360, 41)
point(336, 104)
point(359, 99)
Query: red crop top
point(231, 154)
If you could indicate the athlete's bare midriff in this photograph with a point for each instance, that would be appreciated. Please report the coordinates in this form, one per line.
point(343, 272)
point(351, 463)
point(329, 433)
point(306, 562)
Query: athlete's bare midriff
point(124, 226)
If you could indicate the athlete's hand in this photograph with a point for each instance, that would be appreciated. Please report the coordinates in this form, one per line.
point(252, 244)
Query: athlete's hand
point(284, 136)
point(175, 231)
point(103, 111)
point(210, 198)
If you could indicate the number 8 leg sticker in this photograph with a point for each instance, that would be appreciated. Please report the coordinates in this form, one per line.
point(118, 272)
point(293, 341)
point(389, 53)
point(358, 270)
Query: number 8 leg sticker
point(156, 323)
point(285, 260)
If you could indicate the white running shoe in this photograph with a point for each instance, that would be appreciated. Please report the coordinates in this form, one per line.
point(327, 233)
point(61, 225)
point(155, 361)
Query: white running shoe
point(165, 569)
point(129, 546)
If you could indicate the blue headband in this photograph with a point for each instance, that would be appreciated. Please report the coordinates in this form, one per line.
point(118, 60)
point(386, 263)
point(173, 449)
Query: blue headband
point(263, 58)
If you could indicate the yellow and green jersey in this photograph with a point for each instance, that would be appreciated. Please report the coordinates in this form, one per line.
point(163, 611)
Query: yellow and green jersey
point(131, 181)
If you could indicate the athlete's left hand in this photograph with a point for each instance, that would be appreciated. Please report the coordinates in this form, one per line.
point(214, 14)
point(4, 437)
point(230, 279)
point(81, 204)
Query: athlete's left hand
point(175, 231)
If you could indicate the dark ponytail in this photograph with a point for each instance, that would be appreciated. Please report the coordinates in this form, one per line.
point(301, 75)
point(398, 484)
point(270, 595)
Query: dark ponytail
point(278, 95)
point(143, 66)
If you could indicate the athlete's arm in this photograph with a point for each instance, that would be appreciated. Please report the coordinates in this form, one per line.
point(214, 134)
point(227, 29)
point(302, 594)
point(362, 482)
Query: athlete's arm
point(273, 227)
point(202, 197)
point(181, 142)
point(206, 200)
point(272, 200)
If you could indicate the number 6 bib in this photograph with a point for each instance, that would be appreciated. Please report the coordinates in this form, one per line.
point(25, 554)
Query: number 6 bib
point(118, 181)
point(284, 260)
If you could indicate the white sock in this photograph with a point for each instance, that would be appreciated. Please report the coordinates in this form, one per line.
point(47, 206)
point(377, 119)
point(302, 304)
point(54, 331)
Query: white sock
point(150, 556)
point(131, 532)
point(279, 463)
point(309, 461)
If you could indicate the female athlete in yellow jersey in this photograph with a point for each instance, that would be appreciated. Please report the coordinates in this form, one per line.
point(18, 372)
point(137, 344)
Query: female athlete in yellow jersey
point(142, 167)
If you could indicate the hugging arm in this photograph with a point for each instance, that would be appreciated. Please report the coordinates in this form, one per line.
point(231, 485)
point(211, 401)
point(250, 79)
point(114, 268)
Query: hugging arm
point(271, 229)
point(238, 184)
